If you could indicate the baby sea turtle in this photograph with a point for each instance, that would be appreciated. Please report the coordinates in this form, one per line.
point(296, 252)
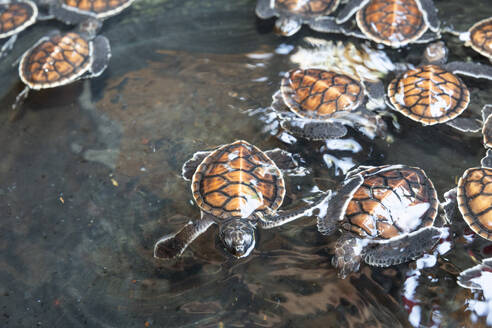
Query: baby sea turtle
point(432, 93)
point(474, 197)
point(15, 16)
point(394, 23)
point(62, 58)
point(77, 11)
point(386, 214)
point(238, 187)
point(293, 13)
point(322, 102)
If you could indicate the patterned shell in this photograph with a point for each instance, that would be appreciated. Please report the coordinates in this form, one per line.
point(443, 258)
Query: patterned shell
point(392, 22)
point(429, 95)
point(16, 16)
point(318, 94)
point(392, 200)
point(98, 8)
point(475, 200)
point(481, 37)
point(237, 180)
point(55, 61)
point(307, 8)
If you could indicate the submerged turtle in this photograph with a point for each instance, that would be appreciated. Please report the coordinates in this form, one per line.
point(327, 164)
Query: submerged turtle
point(293, 13)
point(77, 11)
point(394, 23)
point(322, 102)
point(62, 58)
point(386, 214)
point(432, 93)
point(15, 16)
point(474, 197)
point(238, 187)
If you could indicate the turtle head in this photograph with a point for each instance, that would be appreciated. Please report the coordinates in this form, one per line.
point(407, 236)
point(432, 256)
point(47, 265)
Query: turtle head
point(90, 27)
point(287, 26)
point(436, 53)
point(238, 236)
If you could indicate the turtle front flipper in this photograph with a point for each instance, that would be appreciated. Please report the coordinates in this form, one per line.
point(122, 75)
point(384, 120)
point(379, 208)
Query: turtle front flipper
point(350, 9)
point(337, 205)
point(487, 126)
point(326, 24)
point(283, 217)
point(430, 14)
point(471, 278)
point(313, 129)
point(403, 249)
point(283, 159)
point(487, 160)
point(375, 90)
point(102, 54)
point(264, 10)
point(173, 245)
point(465, 124)
point(475, 70)
point(348, 254)
point(189, 167)
point(449, 205)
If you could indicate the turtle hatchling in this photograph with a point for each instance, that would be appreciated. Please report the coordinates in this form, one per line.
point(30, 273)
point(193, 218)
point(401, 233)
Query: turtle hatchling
point(293, 13)
point(15, 16)
point(77, 11)
point(478, 37)
point(394, 23)
point(238, 187)
point(61, 58)
point(432, 93)
point(386, 214)
point(318, 104)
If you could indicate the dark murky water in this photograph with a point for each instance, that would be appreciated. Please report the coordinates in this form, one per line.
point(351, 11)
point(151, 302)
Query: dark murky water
point(90, 178)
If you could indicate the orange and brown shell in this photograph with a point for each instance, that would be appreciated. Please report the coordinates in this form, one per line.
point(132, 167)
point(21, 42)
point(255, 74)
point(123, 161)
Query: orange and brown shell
point(16, 16)
point(238, 180)
point(307, 8)
point(318, 94)
point(394, 23)
point(429, 95)
point(475, 200)
point(97, 8)
point(481, 37)
point(392, 200)
point(55, 61)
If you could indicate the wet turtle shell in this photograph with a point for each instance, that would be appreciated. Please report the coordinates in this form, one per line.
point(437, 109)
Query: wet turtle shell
point(16, 16)
point(392, 22)
point(237, 180)
point(318, 94)
point(480, 38)
point(429, 94)
point(99, 9)
point(309, 8)
point(392, 201)
point(474, 197)
point(56, 60)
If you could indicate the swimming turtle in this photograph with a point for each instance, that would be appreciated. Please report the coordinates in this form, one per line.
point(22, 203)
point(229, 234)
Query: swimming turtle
point(15, 16)
point(320, 103)
point(432, 93)
point(238, 187)
point(77, 11)
point(293, 13)
point(394, 23)
point(62, 58)
point(474, 197)
point(386, 214)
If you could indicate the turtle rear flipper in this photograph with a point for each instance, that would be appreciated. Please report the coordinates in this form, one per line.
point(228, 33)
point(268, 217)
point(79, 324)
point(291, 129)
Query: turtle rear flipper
point(173, 245)
point(475, 70)
point(264, 10)
point(283, 217)
point(189, 167)
point(283, 159)
point(465, 124)
point(430, 14)
point(337, 205)
point(67, 16)
point(102, 54)
point(399, 250)
point(8, 45)
point(348, 254)
point(349, 10)
point(314, 130)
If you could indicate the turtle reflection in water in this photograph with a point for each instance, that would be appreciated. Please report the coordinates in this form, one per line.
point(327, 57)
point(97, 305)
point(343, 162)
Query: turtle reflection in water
point(60, 59)
point(238, 187)
point(318, 104)
point(386, 214)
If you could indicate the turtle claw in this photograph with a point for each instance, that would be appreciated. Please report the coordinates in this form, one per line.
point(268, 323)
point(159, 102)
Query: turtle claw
point(314, 130)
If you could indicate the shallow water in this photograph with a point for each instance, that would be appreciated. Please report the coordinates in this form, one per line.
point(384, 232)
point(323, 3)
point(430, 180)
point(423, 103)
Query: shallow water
point(90, 179)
